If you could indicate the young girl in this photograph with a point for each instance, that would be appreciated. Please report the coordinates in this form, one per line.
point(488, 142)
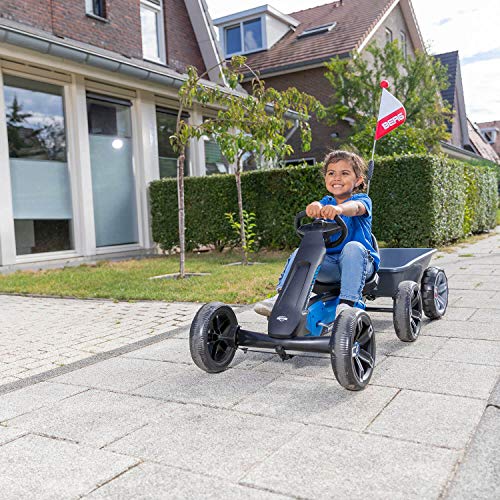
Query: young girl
point(354, 260)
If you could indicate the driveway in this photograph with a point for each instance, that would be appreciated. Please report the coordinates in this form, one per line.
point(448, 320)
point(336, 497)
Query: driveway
point(136, 419)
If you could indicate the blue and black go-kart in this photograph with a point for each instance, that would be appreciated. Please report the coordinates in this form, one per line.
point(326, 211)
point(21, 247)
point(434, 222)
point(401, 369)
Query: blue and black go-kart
point(303, 318)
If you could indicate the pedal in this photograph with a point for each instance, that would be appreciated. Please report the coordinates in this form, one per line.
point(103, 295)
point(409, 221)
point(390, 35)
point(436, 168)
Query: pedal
point(280, 351)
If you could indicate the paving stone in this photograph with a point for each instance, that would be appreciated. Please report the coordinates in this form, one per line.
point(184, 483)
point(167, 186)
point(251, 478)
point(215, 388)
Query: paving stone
point(335, 463)
point(417, 416)
point(458, 313)
point(42, 468)
point(173, 350)
point(481, 352)
point(32, 397)
point(465, 329)
point(478, 475)
point(495, 395)
point(152, 481)
point(191, 385)
point(8, 434)
point(305, 365)
point(443, 377)
point(93, 417)
point(211, 441)
point(119, 374)
point(424, 347)
point(317, 401)
point(485, 315)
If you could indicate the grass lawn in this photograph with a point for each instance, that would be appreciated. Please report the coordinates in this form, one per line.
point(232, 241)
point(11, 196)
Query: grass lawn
point(129, 280)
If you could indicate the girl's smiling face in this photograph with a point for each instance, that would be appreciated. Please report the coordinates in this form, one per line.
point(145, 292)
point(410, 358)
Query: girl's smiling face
point(341, 180)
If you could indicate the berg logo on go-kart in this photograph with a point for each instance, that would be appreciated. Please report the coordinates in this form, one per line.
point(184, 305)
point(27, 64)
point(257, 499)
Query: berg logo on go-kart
point(389, 123)
point(282, 318)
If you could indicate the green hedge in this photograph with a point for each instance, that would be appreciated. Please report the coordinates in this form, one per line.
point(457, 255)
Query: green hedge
point(419, 200)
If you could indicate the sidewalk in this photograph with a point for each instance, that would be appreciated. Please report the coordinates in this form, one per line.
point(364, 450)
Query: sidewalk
point(136, 419)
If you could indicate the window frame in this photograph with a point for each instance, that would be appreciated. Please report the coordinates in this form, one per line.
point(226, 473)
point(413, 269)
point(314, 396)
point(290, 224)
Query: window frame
point(241, 24)
point(155, 6)
point(404, 43)
point(90, 9)
point(389, 37)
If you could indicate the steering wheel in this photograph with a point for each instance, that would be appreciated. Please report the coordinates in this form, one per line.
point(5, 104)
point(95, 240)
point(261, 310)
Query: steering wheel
point(327, 228)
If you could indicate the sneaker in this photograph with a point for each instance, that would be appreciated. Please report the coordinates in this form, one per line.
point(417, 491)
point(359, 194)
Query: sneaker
point(341, 307)
point(265, 307)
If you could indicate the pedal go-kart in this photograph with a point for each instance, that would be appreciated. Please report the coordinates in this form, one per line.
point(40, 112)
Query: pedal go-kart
point(303, 318)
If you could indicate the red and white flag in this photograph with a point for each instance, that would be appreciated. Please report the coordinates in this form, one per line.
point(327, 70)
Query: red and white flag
point(391, 113)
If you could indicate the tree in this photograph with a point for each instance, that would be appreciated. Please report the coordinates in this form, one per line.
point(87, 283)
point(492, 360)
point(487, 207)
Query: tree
point(417, 83)
point(254, 123)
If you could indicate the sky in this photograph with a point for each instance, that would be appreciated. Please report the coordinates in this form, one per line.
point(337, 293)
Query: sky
point(471, 27)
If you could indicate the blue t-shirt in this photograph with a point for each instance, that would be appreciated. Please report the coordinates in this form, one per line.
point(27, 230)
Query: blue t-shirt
point(359, 227)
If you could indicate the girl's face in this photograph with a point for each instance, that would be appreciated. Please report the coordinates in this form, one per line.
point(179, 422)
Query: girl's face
point(341, 180)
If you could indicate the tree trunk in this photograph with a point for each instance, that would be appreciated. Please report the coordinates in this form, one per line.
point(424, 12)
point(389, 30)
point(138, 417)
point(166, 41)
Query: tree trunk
point(180, 200)
point(244, 253)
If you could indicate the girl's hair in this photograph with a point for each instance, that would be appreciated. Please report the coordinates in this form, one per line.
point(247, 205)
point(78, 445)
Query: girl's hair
point(357, 163)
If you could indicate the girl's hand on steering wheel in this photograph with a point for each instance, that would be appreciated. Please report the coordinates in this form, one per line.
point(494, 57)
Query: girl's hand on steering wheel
point(330, 211)
point(313, 210)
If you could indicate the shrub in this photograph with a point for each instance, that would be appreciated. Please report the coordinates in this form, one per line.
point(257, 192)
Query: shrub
point(419, 200)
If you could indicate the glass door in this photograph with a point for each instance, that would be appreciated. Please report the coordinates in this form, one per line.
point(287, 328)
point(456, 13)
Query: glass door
point(113, 183)
point(41, 195)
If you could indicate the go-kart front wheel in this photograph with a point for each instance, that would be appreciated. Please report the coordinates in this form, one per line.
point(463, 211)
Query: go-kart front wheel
point(352, 349)
point(208, 337)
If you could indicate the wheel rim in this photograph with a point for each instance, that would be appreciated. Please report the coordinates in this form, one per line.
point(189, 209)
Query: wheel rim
point(363, 349)
point(416, 312)
point(219, 327)
point(441, 293)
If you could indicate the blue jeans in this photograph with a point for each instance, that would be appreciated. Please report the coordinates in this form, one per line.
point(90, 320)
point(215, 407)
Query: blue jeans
point(351, 267)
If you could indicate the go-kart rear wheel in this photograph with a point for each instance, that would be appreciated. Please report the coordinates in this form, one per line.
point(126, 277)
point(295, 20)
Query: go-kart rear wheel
point(208, 337)
point(407, 312)
point(434, 292)
point(352, 349)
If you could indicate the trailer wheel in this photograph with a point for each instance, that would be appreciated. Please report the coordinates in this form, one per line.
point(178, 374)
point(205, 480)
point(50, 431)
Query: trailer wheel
point(434, 292)
point(210, 337)
point(407, 312)
point(352, 349)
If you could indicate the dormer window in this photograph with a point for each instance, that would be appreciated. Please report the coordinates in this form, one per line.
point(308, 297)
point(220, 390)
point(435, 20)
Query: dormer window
point(244, 37)
point(317, 30)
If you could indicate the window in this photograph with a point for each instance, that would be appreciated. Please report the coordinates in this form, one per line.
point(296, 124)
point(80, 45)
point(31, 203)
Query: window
point(153, 46)
point(111, 162)
point(402, 41)
point(165, 125)
point(388, 35)
point(244, 37)
point(317, 30)
point(215, 163)
point(96, 8)
point(41, 194)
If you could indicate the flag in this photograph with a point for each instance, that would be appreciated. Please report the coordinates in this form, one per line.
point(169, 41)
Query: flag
point(391, 114)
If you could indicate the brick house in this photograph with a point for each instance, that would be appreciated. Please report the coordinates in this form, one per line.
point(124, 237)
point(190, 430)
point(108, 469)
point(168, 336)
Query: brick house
point(88, 99)
point(291, 49)
point(466, 140)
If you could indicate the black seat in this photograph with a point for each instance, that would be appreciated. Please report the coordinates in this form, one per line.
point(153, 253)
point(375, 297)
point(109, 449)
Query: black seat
point(334, 288)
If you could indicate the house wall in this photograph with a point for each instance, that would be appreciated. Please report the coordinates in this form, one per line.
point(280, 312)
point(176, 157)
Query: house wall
point(396, 23)
point(75, 80)
point(456, 126)
point(181, 46)
point(120, 33)
point(313, 81)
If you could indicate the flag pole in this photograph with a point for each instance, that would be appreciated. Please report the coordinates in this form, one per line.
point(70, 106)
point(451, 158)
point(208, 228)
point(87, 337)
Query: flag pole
point(371, 167)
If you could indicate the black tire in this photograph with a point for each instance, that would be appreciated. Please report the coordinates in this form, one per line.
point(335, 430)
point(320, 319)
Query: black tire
point(352, 349)
point(407, 313)
point(434, 292)
point(208, 350)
